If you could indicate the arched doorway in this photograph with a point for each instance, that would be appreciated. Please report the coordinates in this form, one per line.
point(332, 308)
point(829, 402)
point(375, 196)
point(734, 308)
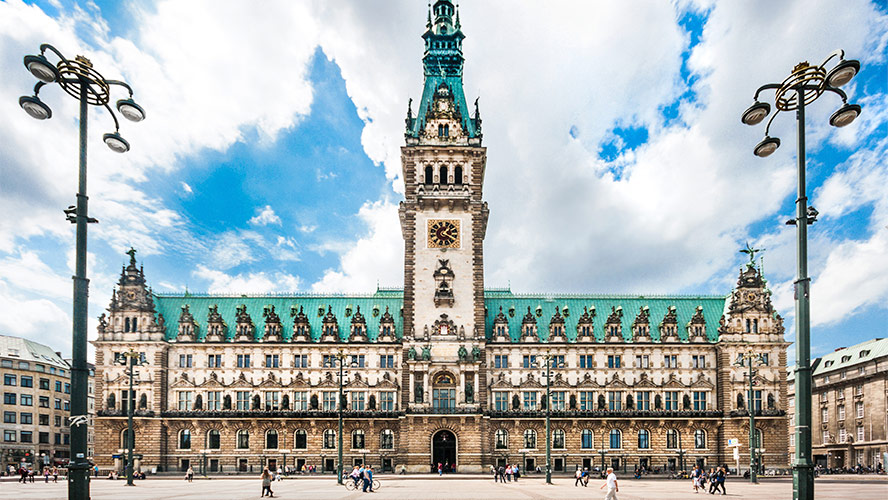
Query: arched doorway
point(443, 448)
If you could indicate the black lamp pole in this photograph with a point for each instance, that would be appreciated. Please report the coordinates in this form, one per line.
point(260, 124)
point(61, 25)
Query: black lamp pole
point(78, 78)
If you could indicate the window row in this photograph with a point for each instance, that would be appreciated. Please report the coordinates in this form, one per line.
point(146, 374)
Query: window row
point(274, 440)
point(608, 400)
point(586, 361)
point(277, 361)
point(280, 400)
point(10, 398)
point(840, 412)
point(12, 436)
point(25, 365)
point(443, 175)
point(612, 440)
point(28, 381)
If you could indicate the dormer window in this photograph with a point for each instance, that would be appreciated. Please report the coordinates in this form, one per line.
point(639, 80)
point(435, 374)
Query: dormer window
point(444, 130)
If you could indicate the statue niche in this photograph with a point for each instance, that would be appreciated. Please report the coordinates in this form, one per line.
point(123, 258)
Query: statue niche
point(443, 283)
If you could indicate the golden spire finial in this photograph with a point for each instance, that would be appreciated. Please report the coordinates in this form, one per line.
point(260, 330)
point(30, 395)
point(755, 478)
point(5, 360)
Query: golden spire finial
point(801, 67)
point(84, 61)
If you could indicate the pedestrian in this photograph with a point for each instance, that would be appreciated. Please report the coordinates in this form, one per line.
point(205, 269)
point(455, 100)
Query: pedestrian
point(516, 472)
point(697, 478)
point(612, 486)
point(493, 470)
point(586, 475)
point(46, 475)
point(189, 475)
point(720, 477)
point(266, 483)
point(280, 474)
point(96, 470)
point(55, 474)
point(579, 477)
point(509, 473)
point(368, 479)
point(440, 469)
point(501, 473)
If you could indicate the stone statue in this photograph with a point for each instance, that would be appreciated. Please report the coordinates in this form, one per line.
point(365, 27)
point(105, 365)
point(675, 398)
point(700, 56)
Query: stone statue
point(411, 354)
point(417, 392)
point(470, 392)
point(476, 353)
point(426, 353)
point(462, 353)
point(103, 324)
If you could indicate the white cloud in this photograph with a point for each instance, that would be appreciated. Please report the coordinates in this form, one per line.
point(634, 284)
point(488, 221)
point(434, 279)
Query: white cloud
point(233, 249)
point(264, 217)
point(186, 188)
point(258, 282)
point(285, 249)
point(377, 257)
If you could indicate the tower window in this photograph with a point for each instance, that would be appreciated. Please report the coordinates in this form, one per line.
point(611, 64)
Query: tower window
point(429, 174)
point(457, 176)
point(135, 325)
point(443, 174)
point(126, 327)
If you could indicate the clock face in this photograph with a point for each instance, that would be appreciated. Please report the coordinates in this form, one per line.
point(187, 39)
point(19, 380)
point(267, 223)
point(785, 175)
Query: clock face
point(443, 233)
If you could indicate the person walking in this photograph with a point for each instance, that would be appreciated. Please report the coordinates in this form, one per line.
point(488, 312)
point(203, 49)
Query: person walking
point(266, 483)
point(586, 475)
point(719, 481)
point(578, 475)
point(368, 480)
point(697, 478)
point(189, 475)
point(612, 486)
point(516, 472)
point(501, 473)
point(440, 468)
point(55, 474)
point(96, 470)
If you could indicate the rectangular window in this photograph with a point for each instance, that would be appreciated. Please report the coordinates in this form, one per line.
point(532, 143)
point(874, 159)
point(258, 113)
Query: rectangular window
point(9, 379)
point(243, 360)
point(671, 400)
point(840, 393)
point(700, 400)
point(824, 438)
point(9, 436)
point(859, 407)
point(500, 401)
point(766, 359)
point(214, 400)
point(214, 361)
point(6, 363)
point(58, 421)
point(68, 405)
point(272, 361)
point(66, 439)
point(615, 400)
point(27, 381)
point(613, 361)
point(58, 402)
point(858, 390)
point(272, 400)
point(26, 400)
point(529, 361)
point(330, 401)
point(357, 400)
point(185, 398)
point(26, 437)
point(860, 435)
point(67, 388)
point(9, 398)
point(843, 375)
point(557, 361)
point(357, 360)
point(841, 412)
point(8, 417)
point(300, 401)
point(643, 400)
point(670, 361)
point(642, 361)
point(58, 386)
point(43, 437)
point(43, 419)
point(698, 361)
point(386, 361)
point(587, 400)
point(843, 435)
point(824, 415)
point(757, 397)
point(300, 361)
point(185, 361)
point(586, 361)
point(43, 401)
point(530, 400)
point(443, 398)
point(243, 400)
point(27, 418)
point(501, 361)
point(558, 400)
point(44, 384)
point(329, 361)
point(387, 401)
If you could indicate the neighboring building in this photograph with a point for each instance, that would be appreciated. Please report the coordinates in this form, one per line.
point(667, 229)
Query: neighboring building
point(36, 404)
point(849, 418)
point(446, 371)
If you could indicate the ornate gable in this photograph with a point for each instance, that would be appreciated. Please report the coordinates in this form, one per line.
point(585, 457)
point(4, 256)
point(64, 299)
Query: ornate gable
point(212, 381)
point(588, 381)
point(328, 381)
point(270, 381)
point(673, 383)
point(644, 382)
point(702, 381)
point(299, 381)
point(182, 381)
point(386, 382)
point(616, 381)
point(357, 381)
point(531, 382)
point(272, 323)
point(501, 382)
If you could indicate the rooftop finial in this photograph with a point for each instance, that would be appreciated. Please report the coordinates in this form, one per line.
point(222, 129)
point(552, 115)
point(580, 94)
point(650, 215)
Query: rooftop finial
point(750, 251)
point(132, 253)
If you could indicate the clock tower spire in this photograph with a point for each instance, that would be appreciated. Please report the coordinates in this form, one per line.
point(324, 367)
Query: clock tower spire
point(443, 221)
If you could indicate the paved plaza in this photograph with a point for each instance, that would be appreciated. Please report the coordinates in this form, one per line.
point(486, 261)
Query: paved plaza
point(440, 488)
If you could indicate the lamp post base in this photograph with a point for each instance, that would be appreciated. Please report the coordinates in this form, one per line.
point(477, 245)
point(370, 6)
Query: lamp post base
point(803, 482)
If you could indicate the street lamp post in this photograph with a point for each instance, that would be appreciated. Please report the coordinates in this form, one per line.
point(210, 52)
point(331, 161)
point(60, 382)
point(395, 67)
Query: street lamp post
point(802, 87)
point(78, 78)
point(747, 359)
point(681, 453)
point(548, 360)
point(129, 361)
point(332, 362)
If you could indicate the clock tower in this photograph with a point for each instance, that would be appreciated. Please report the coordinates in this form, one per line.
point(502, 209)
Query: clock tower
point(443, 221)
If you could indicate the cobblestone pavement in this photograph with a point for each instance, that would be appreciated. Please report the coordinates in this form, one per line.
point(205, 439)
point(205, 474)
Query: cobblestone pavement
point(433, 488)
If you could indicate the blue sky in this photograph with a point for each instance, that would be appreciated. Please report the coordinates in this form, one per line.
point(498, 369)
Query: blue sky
point(269, 161)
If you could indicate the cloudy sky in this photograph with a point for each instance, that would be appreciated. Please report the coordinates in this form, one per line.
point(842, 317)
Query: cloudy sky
point(617, 162)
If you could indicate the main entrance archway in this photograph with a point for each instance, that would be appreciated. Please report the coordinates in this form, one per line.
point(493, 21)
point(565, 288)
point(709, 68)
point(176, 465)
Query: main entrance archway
point(443, 448)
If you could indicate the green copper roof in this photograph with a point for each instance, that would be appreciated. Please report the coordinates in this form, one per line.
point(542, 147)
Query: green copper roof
point(851, 356)
point(542, 306)
point(344, 307)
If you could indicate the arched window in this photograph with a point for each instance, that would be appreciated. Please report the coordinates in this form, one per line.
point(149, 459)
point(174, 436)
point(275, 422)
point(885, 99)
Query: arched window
point(586, 439)
point(135, 324)
point(616, 439)
point(300, 439)
point(700, 439)
point(672, 439)
point(386, 439)
point(213, 440)
point(126, 327)
point(644, 439)
point(126, 439)
point(530, 438)
point(329, 439)
point(755, 325)
point(358, 438)
point(502, 439)
point(429, 175)
point(558, 439)
point(442, 174)
point(271, 439)
point(243, 439)
point(185, 439)
point(458, 175)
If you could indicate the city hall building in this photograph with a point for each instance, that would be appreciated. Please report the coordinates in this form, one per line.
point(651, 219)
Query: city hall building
point(442, 370)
